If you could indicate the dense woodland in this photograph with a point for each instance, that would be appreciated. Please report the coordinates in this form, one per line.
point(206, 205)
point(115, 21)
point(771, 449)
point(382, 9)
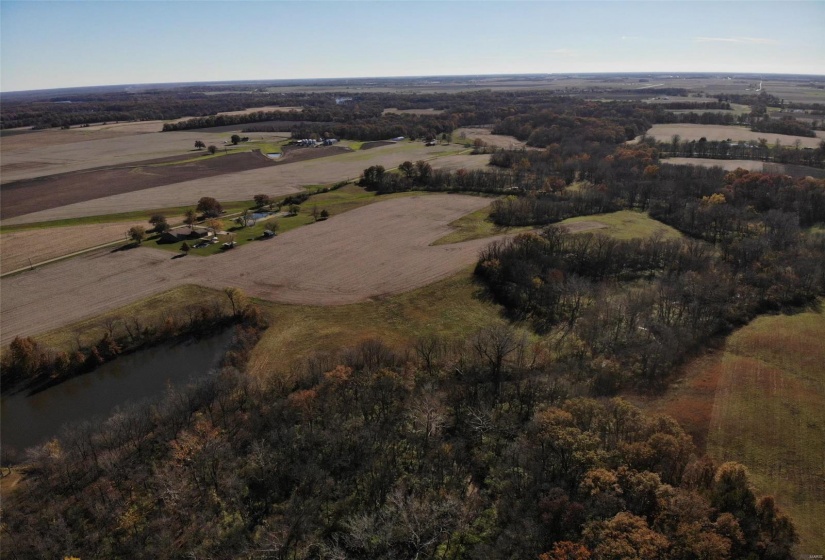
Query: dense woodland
point(498, 445)
point(462, 449)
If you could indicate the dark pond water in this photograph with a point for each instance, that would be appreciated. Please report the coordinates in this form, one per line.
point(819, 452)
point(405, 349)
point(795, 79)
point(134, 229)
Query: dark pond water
point(29, 420)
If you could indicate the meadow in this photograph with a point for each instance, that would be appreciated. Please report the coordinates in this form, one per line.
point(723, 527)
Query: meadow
point(759, 399)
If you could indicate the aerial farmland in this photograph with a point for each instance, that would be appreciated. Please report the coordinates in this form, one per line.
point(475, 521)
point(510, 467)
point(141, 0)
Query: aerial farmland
point(486, 303)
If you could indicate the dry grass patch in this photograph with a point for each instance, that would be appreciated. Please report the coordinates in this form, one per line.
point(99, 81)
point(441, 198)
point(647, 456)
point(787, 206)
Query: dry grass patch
point(769, 414)
point(760, 400)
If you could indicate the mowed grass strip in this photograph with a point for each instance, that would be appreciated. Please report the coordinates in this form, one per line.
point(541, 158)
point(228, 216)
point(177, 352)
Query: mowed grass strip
point(769, 414)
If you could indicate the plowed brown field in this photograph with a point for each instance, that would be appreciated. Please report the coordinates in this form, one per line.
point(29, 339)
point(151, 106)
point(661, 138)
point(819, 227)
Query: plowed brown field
point(380, 249)
point(274, 180)
point(41, 153)
point(31, 195)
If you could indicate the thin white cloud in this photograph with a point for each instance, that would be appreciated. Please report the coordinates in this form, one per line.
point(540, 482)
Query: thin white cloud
point(739, 40)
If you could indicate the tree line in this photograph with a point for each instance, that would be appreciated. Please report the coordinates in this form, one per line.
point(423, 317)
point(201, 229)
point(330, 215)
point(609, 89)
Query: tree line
point(29, 365)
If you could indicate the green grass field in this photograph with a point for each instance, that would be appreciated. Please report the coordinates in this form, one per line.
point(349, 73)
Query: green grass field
point(627, 224)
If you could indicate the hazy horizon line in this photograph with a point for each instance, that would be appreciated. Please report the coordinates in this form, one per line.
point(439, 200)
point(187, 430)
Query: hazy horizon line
point(414, 76)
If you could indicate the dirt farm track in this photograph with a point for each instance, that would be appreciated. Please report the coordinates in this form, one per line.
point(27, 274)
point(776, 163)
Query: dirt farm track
point(376, 250)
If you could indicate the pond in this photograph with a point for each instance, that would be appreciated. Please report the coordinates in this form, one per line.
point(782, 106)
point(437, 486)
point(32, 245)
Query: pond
point(274, 156)
point(30, 420)
point(262, 215)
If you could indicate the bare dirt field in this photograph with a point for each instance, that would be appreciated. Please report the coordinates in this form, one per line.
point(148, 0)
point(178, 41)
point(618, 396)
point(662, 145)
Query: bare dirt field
point(54, 191)
point(665, 132)
point(496, 140)
point(25, 157)
point(275, 180)
point(727, 164)
point(376, 250)
point(39, 245)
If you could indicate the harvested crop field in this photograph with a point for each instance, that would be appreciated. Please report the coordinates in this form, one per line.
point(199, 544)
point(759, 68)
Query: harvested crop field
point(665, 132)
point(727, 164)
point(376, 250)
point(39, 245)
point(54, 191)
point(484, 134)
point(24, 157)
point(274, 180)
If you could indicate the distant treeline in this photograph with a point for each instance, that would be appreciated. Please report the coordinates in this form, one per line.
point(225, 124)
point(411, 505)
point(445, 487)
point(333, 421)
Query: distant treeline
point(785, 125)
point(758, 151)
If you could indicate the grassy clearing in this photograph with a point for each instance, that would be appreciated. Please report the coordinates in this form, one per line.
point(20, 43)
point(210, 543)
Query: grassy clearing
point(477, 225)
point(451, 308)
point(769, 414)
point(153, 310)
point(760, 400)
point(627, 224)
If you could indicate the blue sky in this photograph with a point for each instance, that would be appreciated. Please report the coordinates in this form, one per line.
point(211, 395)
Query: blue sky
point(67, 43)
